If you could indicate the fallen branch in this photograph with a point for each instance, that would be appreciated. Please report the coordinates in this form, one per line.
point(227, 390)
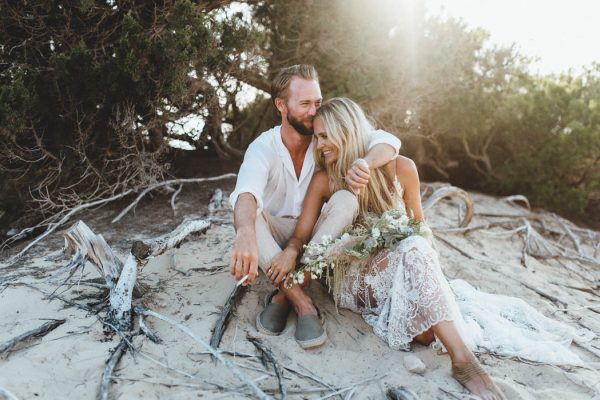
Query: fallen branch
point(452, 191)
point(169, 182)
point(259, 393)
point(234, 298)
point(53, 226)
point(268, 354)
point(110, 366)
point(38, 332)
point(143, 250)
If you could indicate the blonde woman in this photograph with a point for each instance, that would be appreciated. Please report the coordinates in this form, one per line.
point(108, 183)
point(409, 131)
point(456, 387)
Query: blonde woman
point(401, 292)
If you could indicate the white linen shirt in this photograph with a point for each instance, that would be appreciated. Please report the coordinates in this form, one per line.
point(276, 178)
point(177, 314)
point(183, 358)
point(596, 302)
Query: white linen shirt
point(267, 172)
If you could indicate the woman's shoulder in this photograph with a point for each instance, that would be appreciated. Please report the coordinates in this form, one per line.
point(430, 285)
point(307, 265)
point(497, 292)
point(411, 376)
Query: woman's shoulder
point(405, 166)
point(320, 182)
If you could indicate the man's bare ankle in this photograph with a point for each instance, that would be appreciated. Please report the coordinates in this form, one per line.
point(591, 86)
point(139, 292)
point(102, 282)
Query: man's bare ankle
point(280, 298)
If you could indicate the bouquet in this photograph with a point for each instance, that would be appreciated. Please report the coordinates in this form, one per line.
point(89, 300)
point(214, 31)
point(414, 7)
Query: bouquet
point(360, 241)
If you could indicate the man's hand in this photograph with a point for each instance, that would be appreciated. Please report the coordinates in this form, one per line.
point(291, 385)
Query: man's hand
point(281, 265)
point(358, 175)
point(244, 256)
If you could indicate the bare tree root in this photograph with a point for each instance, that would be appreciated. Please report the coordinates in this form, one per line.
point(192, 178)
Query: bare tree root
point(110, 366)
point(268, 355)
point(41, 331)
point(167, 183)
point(452, 191)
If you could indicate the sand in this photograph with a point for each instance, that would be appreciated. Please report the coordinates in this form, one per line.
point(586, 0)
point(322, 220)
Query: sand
point(191, 283)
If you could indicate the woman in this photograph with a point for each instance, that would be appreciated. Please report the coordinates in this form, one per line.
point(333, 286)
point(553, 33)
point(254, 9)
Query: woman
point(401, 292)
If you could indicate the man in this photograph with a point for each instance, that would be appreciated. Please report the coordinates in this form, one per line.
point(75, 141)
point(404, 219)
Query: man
point(269, 193)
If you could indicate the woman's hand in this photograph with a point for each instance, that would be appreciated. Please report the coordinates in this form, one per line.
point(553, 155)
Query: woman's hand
point(281, 265)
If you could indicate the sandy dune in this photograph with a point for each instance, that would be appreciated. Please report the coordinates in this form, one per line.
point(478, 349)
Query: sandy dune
point(191, 283)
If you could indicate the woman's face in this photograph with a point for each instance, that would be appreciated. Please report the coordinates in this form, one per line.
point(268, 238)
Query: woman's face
point(324, 146)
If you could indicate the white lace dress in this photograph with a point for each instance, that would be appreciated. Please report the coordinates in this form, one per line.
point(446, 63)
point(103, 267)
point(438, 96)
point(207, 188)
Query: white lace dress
point(402, 292)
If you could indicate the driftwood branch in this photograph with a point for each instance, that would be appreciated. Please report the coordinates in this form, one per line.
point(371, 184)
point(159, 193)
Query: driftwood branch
point(234, 298)
point(38, 332)
point(452, 191)
point(85, 245)
point(119, 315)
point(168, 183)
point(110, 366)
point(143, 250)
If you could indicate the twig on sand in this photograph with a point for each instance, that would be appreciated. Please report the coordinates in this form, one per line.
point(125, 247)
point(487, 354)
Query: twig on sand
point(110, 366)
point(168, 183)
point(147, 331)
point(7, 395)
point(351, 387)
point(234, 297)
point(40, 331)
point(257, 391)
point(268, 354)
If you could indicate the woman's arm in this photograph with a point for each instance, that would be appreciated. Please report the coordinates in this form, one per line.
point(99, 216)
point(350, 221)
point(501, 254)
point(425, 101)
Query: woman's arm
point(407, 174)
point(285, 262)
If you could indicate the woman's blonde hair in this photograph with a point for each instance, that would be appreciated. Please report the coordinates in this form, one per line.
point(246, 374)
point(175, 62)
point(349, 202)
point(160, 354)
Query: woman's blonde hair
point(349, 130)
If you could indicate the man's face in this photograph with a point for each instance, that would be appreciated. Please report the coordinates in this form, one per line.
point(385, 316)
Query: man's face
point(304, 97)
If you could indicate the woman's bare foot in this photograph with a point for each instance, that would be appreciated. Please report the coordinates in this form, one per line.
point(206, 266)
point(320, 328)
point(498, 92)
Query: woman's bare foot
point(472, 376)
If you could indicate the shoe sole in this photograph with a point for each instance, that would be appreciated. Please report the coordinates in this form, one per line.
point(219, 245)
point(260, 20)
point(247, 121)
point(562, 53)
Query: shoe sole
point(312, 343)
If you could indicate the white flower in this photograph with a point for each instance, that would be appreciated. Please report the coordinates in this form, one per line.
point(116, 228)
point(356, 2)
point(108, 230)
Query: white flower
point(403, 220)
point(313, 276)
point(345, 236)
point(301, 278)
point(326, 239)
point(375, 233)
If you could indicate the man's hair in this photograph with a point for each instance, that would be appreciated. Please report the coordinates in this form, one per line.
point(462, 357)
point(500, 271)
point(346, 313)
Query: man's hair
point(281, 82)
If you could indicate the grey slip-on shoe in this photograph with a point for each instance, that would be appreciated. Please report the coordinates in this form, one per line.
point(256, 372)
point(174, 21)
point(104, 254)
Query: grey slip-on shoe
point(272, 320)
point(310, 332)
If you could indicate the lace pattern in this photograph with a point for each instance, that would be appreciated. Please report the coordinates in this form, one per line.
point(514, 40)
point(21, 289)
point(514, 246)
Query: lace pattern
point(402, 292)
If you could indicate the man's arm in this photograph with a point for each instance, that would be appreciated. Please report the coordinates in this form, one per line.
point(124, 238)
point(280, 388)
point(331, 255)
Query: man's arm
point(383, 148)
point(244, 255)
point(246, 199)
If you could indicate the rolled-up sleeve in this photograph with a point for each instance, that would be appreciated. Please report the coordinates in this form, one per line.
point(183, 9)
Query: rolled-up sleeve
point(253, 175)
point(380, 136)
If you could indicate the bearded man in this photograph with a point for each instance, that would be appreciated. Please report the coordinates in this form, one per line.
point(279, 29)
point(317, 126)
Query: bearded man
point(270, 189)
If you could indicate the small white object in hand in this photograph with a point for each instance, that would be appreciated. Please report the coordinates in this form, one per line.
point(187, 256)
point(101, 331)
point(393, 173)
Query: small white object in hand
point(414, 364)
point(242, 280)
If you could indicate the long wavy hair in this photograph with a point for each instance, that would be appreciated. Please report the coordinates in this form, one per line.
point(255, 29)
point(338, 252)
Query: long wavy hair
point(349, 130)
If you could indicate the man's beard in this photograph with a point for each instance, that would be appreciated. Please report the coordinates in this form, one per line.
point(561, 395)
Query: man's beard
point(299, 126)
